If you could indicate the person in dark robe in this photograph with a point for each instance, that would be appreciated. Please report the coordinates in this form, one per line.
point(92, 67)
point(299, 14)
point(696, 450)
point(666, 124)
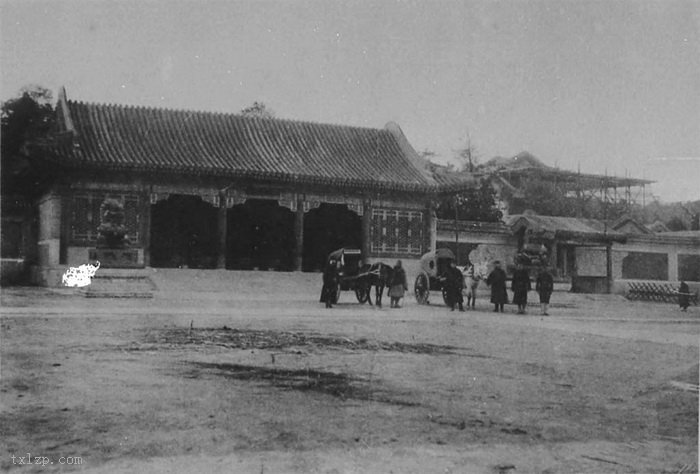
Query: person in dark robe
point(520, 285)
point(454, 284)
point(330, 284)
point(544, 286)
point(398, 284)
point(684, 296)
point(497, 281)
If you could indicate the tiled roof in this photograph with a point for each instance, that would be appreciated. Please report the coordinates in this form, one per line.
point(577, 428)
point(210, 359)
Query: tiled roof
point(690, 238)
point(474, 227)
point(150, 139)
point(451, 181)
point(565, 227)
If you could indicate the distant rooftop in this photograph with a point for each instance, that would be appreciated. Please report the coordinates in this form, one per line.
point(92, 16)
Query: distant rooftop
point(526, 165)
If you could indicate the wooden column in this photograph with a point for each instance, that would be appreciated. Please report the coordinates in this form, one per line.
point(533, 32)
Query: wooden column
point(221, 230)
point(146, 227)
point(366, 230)
point(299, 236)
point(66, 221)
point(553, 259)
point(50, 230)
point(673, 266)
point(609, 267)
point(432, 228)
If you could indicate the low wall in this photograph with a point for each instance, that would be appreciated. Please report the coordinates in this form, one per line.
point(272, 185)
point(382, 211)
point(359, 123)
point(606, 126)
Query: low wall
point(620, 286)
point(47, 276)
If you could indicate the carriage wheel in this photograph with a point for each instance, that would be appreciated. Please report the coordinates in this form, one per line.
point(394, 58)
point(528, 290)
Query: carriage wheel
point(362, 293)
point(444, 296)
point(336, 296)
point(421, 289)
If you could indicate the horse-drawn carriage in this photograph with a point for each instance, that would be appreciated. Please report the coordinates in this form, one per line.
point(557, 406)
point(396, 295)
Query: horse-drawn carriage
point(349, 276)
point(355, 276)
point(433, 270)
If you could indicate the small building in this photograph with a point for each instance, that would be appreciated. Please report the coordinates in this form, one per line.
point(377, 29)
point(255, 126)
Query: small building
point(578, 249)
point(212, 190)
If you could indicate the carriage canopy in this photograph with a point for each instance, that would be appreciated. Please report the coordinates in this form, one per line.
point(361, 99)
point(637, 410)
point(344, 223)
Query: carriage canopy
point(350, 260)
point(343, 254)
point(434, 263)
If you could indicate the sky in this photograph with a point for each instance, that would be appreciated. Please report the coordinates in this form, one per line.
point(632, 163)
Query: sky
point(605, 86)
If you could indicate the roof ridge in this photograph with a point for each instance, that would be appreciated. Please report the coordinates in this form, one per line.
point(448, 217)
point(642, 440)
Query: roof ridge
point(222, 113)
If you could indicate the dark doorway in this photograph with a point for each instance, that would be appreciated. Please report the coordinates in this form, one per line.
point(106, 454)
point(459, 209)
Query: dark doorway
point(566, 260)
point(327, 228)
point(260, 235)
point(183, 233)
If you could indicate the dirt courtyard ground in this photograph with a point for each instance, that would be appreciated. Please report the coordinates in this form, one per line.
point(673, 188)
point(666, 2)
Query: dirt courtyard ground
point(246, 372)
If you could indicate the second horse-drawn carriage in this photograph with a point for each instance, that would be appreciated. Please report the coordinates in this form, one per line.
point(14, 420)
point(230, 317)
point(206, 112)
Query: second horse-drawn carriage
point(433, 270)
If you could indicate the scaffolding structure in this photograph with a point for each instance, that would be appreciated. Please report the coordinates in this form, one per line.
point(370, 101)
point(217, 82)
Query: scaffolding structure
point(620, 193)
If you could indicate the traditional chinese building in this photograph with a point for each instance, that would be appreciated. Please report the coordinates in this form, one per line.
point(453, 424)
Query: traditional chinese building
point(212, 190)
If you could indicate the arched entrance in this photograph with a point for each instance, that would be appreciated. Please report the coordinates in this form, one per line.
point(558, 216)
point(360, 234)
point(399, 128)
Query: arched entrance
point(327, 228)
point(183, 233)
point(260, 235)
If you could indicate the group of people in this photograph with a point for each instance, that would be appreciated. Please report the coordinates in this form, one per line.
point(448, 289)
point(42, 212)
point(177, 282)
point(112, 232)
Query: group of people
point(454, 284)
point(520, 286)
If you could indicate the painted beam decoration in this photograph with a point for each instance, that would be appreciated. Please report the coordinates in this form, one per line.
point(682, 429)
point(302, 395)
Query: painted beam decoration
point(313, 201)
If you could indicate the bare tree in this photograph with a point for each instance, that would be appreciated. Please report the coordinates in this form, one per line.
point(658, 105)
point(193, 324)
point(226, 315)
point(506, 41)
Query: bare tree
point(468, 156)
point(258, 110)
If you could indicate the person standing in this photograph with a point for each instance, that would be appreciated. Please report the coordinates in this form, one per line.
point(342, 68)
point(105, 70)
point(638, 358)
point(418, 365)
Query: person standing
point(398, 284)
point(472, 282)
point(330, 284)
point(454, 284)
point(520, 286)
point(544, 286)
point(684, 296)
point(497, 281)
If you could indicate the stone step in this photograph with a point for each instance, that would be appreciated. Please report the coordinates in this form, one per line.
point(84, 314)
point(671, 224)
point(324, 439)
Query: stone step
point(120, 283)
point(117, 294)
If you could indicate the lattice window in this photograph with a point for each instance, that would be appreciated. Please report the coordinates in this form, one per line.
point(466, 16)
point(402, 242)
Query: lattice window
point(81, 224)
point(86, 216)
point(397, 232)
point(132, 217)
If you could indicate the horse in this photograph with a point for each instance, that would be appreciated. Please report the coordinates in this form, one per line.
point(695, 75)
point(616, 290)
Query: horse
point(377, 275)
point(472, 277)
